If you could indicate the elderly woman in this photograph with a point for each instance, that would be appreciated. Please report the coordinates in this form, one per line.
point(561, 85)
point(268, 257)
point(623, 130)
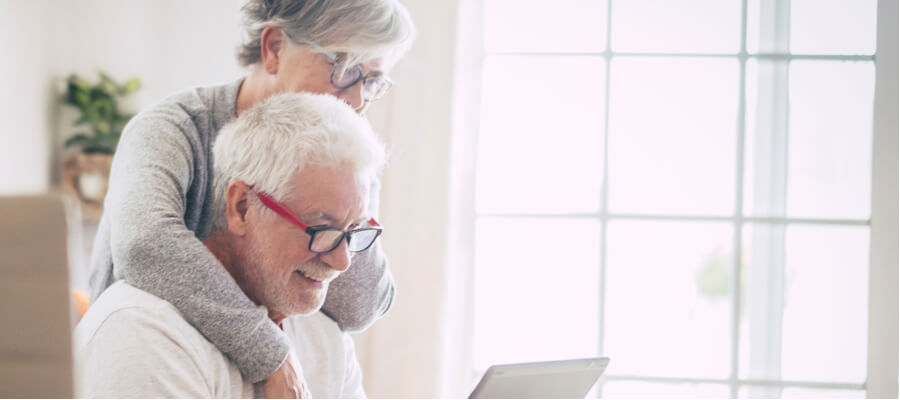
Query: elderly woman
point(157, 210)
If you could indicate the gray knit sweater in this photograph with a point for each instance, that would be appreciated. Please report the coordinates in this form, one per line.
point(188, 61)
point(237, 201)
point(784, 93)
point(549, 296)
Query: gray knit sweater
point(157, 213)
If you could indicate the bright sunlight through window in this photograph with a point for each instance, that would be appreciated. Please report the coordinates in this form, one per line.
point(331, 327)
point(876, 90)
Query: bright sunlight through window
point(681, 185)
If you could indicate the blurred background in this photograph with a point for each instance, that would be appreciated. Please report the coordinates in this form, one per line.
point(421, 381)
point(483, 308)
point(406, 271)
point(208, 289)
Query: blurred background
point(703, 190)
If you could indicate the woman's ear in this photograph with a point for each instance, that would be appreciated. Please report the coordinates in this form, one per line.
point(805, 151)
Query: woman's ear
point(271, 43)
point(237, 203)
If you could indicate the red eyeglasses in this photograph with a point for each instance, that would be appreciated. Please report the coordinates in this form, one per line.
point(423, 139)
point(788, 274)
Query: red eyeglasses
point(323, 239)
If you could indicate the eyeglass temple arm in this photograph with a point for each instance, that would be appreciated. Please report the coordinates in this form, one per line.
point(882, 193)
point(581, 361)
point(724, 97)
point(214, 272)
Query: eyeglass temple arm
point(330, 54)
point(280, 210)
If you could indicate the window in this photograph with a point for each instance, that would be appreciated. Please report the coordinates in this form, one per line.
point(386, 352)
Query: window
point(681, 185)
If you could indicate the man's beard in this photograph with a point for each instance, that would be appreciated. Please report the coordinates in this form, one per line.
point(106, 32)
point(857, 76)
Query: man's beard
point(273, 288)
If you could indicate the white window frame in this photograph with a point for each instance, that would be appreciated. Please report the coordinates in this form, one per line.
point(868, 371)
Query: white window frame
point(882, 375)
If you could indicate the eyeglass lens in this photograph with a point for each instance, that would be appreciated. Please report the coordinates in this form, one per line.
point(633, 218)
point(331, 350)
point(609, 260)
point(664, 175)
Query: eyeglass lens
point(328, 239)
point(373, 87)
point(347, 78)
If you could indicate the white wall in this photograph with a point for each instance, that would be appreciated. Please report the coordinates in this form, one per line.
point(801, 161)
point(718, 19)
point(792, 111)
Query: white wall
point(26, 97)
point(169, 44)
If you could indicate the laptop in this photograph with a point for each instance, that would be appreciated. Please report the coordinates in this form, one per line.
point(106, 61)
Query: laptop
point(563, 379)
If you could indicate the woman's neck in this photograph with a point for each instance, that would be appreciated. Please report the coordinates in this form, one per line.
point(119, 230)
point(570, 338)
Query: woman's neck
point(258, 86)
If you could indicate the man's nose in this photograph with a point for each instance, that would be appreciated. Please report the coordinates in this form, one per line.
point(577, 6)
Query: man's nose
point(339, 258)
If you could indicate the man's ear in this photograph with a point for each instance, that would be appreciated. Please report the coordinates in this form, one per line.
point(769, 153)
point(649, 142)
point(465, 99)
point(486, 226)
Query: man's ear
point(272, 43)
point(237, 204)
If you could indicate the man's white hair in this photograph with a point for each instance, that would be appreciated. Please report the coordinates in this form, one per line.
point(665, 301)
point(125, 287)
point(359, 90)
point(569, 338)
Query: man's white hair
point(268, 144)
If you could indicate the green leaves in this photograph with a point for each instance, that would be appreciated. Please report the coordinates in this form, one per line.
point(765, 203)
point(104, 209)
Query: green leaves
point(130, 86)
point(77, 140)
point(99, 110)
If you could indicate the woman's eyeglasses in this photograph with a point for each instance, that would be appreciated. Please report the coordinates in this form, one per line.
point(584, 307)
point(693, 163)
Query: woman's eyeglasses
point(375, 84)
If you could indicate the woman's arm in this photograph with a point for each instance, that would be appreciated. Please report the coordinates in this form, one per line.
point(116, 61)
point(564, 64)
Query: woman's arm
point(152, 248)
point(361, 294)
point(365, 291)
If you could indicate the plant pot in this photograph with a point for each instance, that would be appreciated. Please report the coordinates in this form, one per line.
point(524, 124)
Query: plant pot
point(86, 176)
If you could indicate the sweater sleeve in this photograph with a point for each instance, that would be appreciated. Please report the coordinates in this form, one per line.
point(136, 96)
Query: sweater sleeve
point(365, 291)
point(152, 248)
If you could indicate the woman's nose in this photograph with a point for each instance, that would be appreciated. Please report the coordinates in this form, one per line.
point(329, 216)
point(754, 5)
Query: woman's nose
point(353, 96)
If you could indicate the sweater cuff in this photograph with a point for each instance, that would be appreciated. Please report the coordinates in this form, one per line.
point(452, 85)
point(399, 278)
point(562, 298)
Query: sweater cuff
point(262, 353)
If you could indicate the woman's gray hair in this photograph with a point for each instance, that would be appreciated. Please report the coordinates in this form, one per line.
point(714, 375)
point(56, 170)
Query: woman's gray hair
point(361, 29)
point(268, 144)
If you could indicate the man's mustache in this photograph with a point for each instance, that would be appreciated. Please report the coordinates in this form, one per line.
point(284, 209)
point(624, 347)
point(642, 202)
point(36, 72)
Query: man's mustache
point(318, 270)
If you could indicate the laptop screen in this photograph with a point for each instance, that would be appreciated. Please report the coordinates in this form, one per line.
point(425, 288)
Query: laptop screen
point(567, 379)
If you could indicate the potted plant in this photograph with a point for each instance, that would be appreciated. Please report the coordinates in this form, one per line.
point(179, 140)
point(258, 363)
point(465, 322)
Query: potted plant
point(88, 153)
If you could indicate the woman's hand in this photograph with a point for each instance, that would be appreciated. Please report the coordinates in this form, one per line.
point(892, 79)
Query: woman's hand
point(288, 381)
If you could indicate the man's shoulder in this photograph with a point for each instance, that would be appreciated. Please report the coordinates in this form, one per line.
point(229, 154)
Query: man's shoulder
point(121, 296)
point(129, 335)
point(125, 305)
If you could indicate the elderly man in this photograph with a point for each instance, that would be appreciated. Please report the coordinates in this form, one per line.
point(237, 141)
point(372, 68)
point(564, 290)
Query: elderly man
point(292, 180)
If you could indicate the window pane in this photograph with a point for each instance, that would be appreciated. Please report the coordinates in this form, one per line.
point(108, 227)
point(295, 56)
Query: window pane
point(833, 26)
point(672, 26)
point(830, 139)
point(821, 333)
point(667, 297)
point(540, 147)
point(536, 294)
point(816, 161)
point(672, 135)
point(540, 26)
point(822, 263)
point(759, 392)
point(637, 389)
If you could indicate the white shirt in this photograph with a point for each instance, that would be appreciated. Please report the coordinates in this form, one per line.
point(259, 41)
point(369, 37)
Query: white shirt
point(134, 344)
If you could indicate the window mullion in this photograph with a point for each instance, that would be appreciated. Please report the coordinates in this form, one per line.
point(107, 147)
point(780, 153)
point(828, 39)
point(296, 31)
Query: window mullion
point(736, 280)
point(604, 195)
point(765, 275)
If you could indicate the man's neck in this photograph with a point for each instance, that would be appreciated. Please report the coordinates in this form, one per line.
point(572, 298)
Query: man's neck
point(258, 86)
point(220, 245)
point(276, 317)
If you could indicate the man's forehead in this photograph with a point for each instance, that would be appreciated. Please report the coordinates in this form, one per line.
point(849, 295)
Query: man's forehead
point(332, 194)
point(331, 219)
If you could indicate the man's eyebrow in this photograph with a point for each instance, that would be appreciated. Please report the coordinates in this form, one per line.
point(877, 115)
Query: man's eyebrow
point(319, 216)
point(329, 219)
